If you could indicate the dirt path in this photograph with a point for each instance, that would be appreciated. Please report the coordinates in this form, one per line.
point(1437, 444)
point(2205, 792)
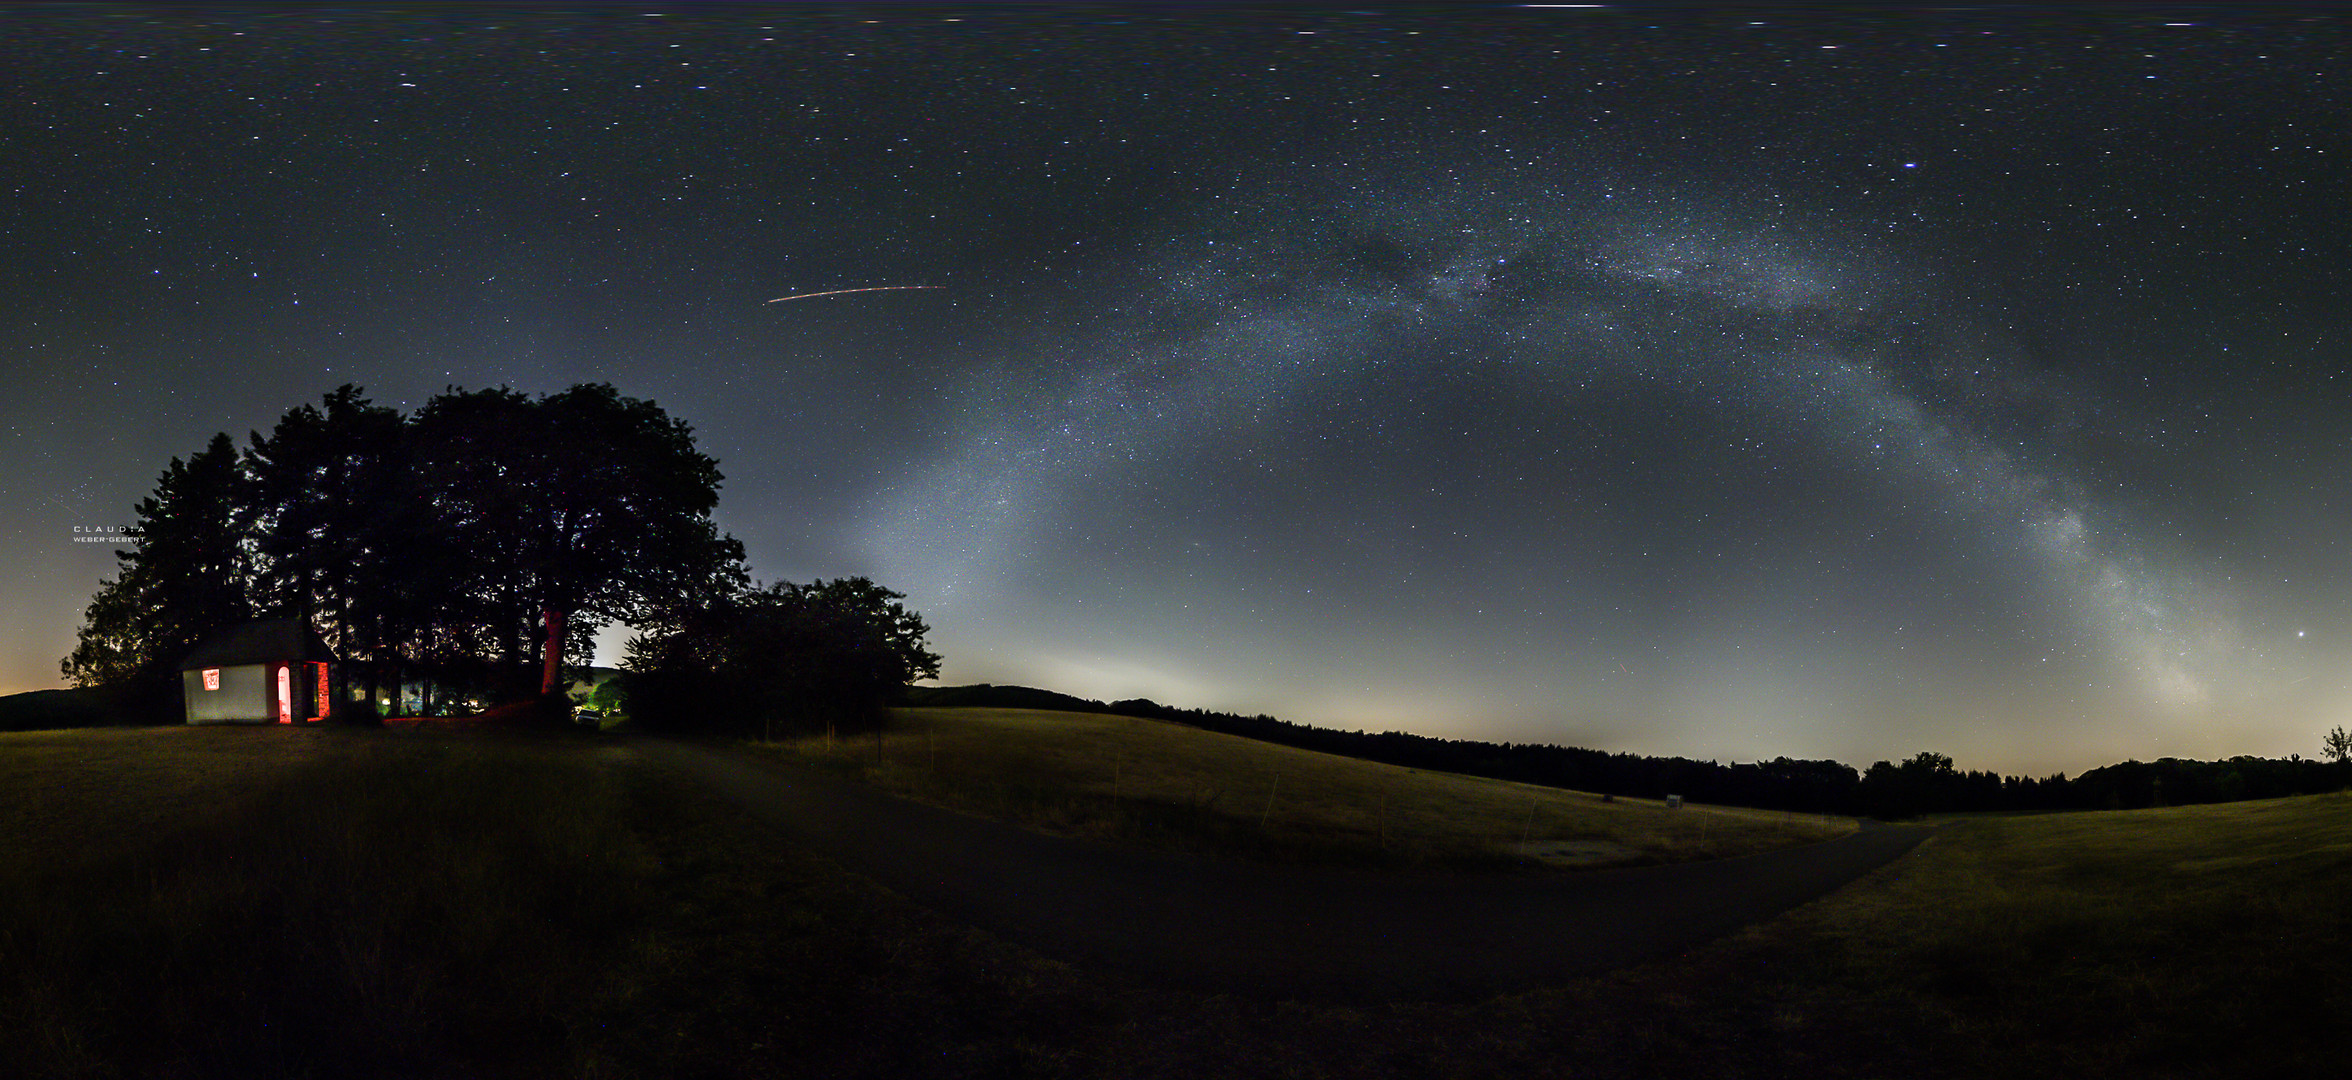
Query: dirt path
point(1272, 931)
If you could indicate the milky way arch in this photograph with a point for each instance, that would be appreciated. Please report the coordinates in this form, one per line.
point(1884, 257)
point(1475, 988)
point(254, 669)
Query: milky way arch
point(1831, 358)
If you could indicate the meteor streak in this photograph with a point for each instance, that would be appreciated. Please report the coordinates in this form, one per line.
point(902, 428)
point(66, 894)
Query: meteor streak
point(837, 292)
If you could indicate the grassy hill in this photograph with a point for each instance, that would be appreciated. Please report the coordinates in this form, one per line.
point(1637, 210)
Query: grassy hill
point(1171, 785)
point(440, 902)
point(110, 706)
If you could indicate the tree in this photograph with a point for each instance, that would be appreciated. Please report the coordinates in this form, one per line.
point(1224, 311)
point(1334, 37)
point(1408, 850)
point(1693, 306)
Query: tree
point(115, 643)
point(2337, 746)
point(185, 578)
point(1925, 784)
point(871, 625)
point(336, 518)
point(576, 509)
point(471, 449)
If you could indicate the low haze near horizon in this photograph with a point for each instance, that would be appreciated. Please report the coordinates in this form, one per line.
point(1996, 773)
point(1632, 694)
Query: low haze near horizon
point(1721, 384)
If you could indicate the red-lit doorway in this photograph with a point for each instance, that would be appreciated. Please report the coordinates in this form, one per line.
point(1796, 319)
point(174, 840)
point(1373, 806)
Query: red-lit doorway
point(285, 694)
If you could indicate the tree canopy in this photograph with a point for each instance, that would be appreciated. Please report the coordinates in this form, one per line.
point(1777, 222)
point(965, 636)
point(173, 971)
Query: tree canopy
point(459, 543)
point(582, 507)
point(184, 578)
point(823, 655)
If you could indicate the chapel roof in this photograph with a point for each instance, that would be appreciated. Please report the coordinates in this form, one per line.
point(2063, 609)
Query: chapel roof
point(259, 642)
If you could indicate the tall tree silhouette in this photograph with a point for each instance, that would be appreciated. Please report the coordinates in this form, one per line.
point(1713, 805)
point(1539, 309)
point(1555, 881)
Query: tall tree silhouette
point(473, 449)
point(573, 510)
point(336, 516)
point(185, 578)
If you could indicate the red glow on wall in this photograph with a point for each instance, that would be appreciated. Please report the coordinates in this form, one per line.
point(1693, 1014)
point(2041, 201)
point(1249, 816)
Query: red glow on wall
point(212, 678)
point(322, 693)
point(285, 695)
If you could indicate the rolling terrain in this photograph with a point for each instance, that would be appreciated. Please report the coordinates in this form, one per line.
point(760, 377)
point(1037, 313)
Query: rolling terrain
point(1171, 786)
point(211, 902)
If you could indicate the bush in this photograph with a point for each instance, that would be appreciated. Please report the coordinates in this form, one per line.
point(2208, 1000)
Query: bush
point(786, 659)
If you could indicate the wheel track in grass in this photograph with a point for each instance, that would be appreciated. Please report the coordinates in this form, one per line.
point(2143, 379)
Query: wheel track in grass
point(1186, 922)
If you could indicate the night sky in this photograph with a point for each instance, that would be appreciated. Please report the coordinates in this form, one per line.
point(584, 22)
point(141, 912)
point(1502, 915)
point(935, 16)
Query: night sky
point(1724, 384)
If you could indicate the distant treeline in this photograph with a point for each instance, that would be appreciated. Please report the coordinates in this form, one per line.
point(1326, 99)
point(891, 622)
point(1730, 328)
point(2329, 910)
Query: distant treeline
point(1926, 783)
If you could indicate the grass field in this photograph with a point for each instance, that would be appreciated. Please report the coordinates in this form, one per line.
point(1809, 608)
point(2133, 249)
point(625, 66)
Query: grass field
point(262, 903)
point(1166, 785)
point(273, 902)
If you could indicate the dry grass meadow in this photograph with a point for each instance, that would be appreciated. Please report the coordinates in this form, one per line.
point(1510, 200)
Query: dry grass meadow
point(1162, 784)
point(273, 903)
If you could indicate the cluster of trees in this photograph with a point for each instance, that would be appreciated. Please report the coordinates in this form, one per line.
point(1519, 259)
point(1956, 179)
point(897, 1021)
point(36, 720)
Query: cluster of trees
point(456, 544)
point(1926, 783)
point(829, 654)
point(475, 546)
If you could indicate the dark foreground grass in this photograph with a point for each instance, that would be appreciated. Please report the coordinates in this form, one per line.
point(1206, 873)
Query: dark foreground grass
point(379, 904)
point(274, 903)
point(308, 903)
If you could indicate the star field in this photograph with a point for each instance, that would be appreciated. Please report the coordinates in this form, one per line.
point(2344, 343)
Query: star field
point(1730, 384)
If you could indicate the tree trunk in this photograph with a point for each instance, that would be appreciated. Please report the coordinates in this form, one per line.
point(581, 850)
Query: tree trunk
point(552, 670)
point(512, 660)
